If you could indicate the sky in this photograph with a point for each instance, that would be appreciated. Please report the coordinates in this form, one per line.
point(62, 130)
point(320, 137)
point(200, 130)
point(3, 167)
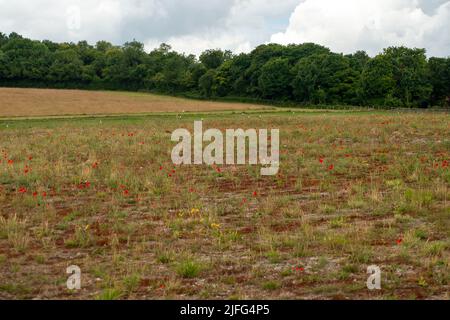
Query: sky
point(237, 25)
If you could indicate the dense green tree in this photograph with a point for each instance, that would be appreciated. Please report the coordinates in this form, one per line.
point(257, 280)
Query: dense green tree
point(324, 78)
point(66, 67)
point(212, 59)
point(306, 73)
point(206, 83)
point(440, 80)
point(3, 39)
point(377, 82)
point(275, 79)
point(26, 59)
point(3, 66)
point(411, 75)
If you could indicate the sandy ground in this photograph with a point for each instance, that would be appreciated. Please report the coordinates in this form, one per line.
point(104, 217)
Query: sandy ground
point(48, 102)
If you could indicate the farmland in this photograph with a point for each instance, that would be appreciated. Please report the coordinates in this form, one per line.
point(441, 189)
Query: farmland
point(36, 103)
point(354, 189)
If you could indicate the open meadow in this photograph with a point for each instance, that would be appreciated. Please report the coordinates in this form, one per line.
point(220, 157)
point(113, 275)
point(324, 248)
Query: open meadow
point(354, 189)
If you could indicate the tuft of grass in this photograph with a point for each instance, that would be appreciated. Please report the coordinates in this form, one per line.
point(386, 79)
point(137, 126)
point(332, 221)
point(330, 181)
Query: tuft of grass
point(189, 268)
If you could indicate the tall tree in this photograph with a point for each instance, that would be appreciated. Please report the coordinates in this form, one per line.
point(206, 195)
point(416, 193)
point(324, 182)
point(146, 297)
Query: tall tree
point(212, 59)
point(275, 79)
point(440, 80)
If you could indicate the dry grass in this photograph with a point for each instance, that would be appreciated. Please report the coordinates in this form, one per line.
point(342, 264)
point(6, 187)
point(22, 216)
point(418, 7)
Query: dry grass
point(47, 102)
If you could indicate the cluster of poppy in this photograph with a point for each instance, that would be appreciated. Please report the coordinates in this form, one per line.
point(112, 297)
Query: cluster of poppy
point(84, 185)
point(298, 269)
point(125, 191)
point(330, 167)
point(171, 172)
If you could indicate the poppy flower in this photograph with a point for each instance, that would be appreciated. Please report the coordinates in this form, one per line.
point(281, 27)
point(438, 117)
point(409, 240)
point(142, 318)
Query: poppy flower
point(35, 194)
point(126, 192)
point(445, 164)
point(22, 190)
point(331, 167)
point(95, 165)
point(44, 194)
point(10, 161)
point(321, 160)
point(399, 241)
point(161, 168)
point(255, 194)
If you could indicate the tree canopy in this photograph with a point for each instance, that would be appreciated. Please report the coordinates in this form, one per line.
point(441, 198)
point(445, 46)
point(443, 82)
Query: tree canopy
point(302, 73)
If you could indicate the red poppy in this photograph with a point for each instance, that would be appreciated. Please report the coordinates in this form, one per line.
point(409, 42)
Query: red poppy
point(30, 158)
point(321, 160)
point(255, 194)
point(445, 164)
point(331, 167)
point(95, 165)
point(22, 190)
point(44, 194)
point(399, 241)
point(126, 192)
point(10, 161)
point(35, 194)
point(160, 168)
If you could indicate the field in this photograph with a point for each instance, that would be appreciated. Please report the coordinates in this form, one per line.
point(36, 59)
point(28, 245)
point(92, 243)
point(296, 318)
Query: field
point(354, 189)
point(36, 103)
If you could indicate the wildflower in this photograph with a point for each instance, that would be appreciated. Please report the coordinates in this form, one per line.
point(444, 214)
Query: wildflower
point(95, 165)
point(126, 192)
point(255, 194)
point(215, 225)
point(399, 241)
point(10, 162)
point(195, 211)
point(321, 160)
point(331, 167)
point(35, 194)
point(44, 194)
point(445, 164)
point(22, 190)
point(161, 168)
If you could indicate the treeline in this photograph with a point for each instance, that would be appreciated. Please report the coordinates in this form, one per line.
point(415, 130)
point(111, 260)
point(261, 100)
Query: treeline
point(303, 74)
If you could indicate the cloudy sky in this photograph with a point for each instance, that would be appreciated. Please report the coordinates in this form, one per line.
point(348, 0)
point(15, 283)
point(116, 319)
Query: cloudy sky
point(239, 25)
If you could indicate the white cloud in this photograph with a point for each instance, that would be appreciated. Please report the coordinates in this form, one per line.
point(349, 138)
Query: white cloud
point(238, 25)
point(350, 25)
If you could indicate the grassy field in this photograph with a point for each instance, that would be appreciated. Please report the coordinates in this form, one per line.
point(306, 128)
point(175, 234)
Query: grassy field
point(354, 189)
point(36, 103)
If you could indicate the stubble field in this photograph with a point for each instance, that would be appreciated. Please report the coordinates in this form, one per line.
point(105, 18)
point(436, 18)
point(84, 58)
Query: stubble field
point(354, 189)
